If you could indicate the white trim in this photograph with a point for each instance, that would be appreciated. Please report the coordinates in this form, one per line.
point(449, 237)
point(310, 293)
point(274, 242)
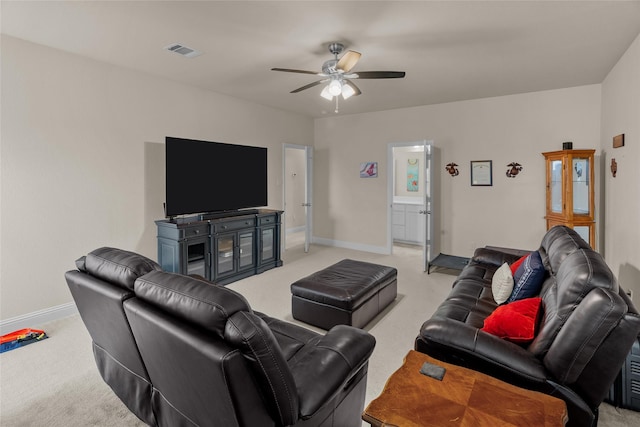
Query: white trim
point(350, 245)
point(296, 229)
point(37, 318)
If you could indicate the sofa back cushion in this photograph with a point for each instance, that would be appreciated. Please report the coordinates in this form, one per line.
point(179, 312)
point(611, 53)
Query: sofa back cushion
point(581, 271)
point(557, 244)
point(198, 379)
point(116, 266)
point(196, 301)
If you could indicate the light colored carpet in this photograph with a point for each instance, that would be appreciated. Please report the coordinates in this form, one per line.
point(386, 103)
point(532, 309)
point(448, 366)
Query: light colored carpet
point(55, 383)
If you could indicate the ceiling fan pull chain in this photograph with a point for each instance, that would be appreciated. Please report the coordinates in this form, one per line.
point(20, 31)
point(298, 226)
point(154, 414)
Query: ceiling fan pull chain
point(336, 111)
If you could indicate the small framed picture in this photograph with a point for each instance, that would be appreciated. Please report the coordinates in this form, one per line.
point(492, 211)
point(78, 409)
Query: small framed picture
point(369, 170)
point(481, 173)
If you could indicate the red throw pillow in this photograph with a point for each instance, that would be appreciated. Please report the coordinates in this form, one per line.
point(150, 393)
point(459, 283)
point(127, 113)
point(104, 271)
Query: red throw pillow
point(515, 265)
point(515, 322)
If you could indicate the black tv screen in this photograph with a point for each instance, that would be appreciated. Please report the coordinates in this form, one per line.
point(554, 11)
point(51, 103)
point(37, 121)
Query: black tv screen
point(206, 176)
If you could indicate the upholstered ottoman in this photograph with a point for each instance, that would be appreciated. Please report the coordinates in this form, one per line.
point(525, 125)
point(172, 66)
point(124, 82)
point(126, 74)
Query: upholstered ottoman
point(346, 293)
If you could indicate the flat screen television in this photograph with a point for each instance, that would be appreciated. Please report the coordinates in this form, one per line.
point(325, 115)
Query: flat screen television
point(203, 177)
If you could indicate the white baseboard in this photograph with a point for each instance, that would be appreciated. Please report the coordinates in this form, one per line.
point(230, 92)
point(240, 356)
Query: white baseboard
point(295, 229)
point(350, 245)
point(37, 318)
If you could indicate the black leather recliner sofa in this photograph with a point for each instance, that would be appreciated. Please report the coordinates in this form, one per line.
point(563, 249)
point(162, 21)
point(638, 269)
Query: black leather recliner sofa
point(180, 351)
point(587, 326)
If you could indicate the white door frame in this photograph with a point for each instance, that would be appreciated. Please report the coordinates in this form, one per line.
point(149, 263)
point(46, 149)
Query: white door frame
point(390, 190)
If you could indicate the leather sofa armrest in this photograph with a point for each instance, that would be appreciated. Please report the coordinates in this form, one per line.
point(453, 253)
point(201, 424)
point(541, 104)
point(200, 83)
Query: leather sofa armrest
point(462, 344)
point(494, 257)
point(576, 345)
point(324, 369)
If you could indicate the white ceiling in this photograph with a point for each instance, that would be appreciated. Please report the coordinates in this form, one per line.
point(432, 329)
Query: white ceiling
point(450, 50)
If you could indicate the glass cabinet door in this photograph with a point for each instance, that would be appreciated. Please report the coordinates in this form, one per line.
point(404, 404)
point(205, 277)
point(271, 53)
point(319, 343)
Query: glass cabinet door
point(224, 254)
point(580, 182)
point(267, 251)
point(246, 250)
point(556, 186)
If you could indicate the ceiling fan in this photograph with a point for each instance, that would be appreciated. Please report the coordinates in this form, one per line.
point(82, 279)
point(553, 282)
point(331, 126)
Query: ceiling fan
point(338, 73)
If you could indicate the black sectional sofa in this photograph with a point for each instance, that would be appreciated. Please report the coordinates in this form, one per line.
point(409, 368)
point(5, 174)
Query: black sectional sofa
point(584, 329)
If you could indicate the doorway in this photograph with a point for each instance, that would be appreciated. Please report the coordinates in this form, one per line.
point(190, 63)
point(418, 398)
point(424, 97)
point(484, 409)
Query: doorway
point(409, 195)
point(297, 184)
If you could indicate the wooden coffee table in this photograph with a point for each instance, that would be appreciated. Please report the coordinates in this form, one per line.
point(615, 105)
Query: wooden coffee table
point(463, 398)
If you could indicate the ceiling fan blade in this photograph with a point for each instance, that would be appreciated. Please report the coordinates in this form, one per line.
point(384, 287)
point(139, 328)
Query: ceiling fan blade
point(353, 86)
point(316, 83)
point(348, 61)
point(289, 70)
point(380, 74)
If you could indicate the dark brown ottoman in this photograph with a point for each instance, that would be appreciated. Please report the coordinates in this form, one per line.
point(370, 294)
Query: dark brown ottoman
point(346, 293)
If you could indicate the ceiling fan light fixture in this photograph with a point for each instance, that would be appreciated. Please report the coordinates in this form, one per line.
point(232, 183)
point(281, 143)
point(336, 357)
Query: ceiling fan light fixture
point(335, 87)
point(326, 94)
point(338, 76)
point(347, 91)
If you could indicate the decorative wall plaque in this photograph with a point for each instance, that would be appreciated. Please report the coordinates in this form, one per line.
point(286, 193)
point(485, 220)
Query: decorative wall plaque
point(618, 141)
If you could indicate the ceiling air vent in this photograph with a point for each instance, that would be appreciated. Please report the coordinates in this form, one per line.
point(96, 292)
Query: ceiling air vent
point(183, 50)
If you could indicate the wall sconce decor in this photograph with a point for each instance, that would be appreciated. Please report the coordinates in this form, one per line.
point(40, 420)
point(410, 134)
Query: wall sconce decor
point(614, 167)
point(452, 169)
point(514, 169)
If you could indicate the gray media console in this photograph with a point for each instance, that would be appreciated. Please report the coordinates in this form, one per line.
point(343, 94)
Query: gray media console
point(222, 248)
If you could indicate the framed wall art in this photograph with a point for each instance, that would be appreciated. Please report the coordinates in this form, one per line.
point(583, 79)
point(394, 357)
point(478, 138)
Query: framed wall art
point(369, 170)
point(481, 173)
point(413, 174)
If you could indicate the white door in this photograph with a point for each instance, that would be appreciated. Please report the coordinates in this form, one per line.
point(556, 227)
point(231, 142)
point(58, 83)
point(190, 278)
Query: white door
point(297, 185)
point(427, 234)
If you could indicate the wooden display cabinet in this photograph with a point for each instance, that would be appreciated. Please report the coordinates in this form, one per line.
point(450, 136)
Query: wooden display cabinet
point(570, 193)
